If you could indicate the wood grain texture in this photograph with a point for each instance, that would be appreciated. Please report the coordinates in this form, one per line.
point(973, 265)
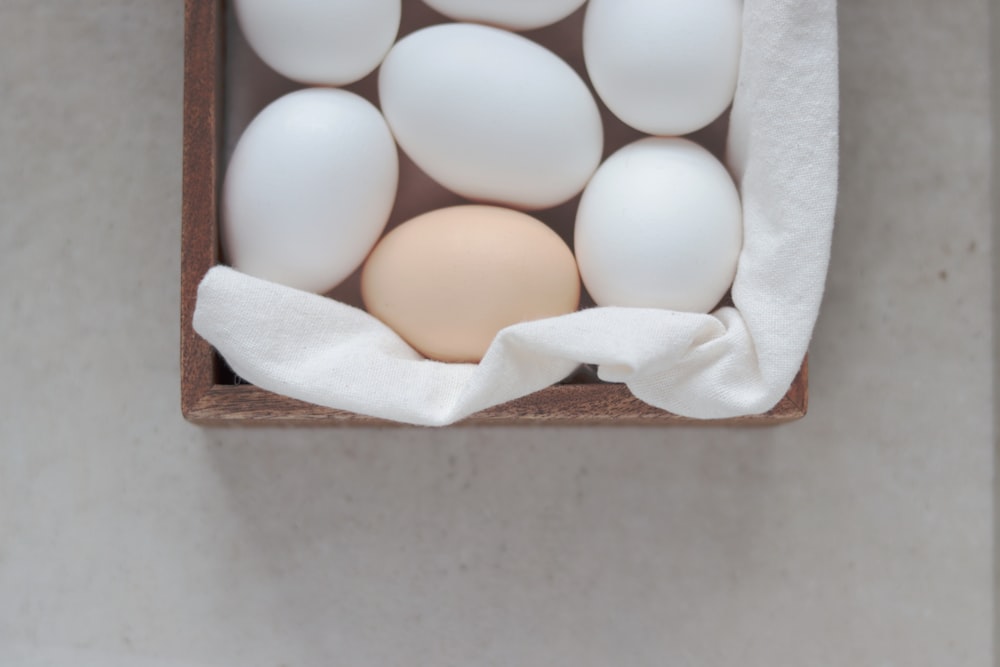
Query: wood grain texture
point(204, 32)
point(206, 400)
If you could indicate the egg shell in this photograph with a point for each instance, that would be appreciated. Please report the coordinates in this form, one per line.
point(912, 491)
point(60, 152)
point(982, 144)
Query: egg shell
point(309, 189)
point(491, 115)
point(664, 67)
point(325, 42)
point(512, 14)
point(659, 226)
point(447, 281)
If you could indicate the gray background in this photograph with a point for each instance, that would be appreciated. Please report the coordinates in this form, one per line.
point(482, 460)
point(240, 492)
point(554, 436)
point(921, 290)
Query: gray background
point(862, 535)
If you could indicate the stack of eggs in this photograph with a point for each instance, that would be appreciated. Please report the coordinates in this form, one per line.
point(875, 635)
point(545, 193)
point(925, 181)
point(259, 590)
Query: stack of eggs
point(505, 123)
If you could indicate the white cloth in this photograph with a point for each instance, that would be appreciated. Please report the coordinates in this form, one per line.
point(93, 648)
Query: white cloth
point(782, 150)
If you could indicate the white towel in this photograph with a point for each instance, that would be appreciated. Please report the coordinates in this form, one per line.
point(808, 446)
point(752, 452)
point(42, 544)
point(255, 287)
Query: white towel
point(782, 150)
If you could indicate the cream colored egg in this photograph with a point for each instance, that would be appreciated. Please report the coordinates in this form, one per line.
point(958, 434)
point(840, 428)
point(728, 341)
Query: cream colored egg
point(449, 280)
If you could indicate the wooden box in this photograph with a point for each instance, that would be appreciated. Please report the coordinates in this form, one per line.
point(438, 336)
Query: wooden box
point(209, 393)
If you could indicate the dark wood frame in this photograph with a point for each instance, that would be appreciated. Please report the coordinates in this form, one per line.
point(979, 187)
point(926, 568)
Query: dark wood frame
point(204, 400)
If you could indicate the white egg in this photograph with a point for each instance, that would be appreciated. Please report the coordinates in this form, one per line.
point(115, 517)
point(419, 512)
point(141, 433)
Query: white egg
point(323, 42)
point(309, 189)
point(659, 226)
point(513, 14)
point(491, 115)
point(665, 67)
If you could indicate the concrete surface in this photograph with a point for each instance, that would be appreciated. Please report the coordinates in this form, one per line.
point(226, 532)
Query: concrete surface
point(862, 535)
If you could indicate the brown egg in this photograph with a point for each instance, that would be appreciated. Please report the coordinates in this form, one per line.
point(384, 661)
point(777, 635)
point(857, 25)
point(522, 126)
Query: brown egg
point(447, 281)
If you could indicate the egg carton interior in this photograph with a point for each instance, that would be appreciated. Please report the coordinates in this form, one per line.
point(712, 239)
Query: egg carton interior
point(251, 85)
